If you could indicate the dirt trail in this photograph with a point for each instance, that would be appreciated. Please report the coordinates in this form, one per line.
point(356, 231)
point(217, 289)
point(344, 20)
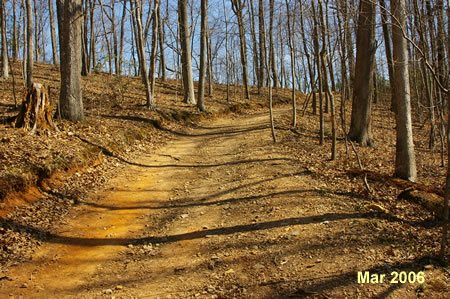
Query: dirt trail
point(218, 212)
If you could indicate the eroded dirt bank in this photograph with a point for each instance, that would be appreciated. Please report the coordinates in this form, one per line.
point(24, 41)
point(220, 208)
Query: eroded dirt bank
point(221, 212)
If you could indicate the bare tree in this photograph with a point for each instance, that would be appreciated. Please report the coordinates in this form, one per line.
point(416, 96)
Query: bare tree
point(272, 46)
point(291, 30)
point(360, 126)
point(203, 45)
point(161, 38)
point(53, 32)
point(5, 64)
point(387, 47)
point(71, 101)
point(137, 21)
point(29, 58)
point(153, 52)
point(238, 7)
point(186, 59)
point(405, 163)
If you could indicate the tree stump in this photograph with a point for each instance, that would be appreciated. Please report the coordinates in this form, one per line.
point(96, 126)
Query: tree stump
point(37, 110)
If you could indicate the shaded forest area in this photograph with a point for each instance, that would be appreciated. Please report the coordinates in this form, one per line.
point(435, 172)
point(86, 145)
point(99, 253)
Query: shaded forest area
point(365, 83)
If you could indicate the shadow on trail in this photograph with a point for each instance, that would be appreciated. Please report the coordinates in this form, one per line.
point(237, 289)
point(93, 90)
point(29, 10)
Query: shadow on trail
point(157, 125)
point(44, 236)
point(176, 205)
point(48, 237)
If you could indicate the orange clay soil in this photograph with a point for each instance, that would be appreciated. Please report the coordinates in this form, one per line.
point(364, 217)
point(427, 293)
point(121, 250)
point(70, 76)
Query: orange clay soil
point(221, 211)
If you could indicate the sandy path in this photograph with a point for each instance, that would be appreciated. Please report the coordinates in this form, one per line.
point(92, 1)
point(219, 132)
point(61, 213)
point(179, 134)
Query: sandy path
point(219, 212)
point(196, 166)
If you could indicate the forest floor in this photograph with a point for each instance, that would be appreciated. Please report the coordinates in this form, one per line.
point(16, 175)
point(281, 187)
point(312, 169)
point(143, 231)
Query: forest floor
point(175, 204)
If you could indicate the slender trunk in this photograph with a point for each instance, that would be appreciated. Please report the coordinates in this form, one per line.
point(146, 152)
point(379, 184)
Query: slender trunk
point(262, 45)
point(14, 41)
point(53, 32)
point(308, 59)
point(135, 5)
point(255, 43)
point(323, 57)
point(238, 7)
point(92, 37)
point(405, 165)
point(387, 47)
point(5, 62)
point(319, 74)
point(162, 58)
point(152, 73)
point(203, 45)
point(122, 35)
point(291, 29)
point(227, 67)
point(189, 96)
point(29, 43)
point(36, 32)
point(272, 47)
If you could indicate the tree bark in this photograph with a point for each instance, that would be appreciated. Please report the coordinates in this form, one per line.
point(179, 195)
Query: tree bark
point(361, 119)
point(272, 46)
point(71, 101)
point(140, 48)
point(162, 59)
point(262, 44)
point(387, 47)
point(29, 58)
point(238, 7)
point(203, 45)
point(53, 32)
point(122, 36)
point(5, 62)
point(291, 30)
point(405, 163)
point(155, 26)
point(186, 59)
point(15, 40)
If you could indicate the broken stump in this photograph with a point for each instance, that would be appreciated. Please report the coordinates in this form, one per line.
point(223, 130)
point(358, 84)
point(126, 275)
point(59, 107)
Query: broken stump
point(37, 110)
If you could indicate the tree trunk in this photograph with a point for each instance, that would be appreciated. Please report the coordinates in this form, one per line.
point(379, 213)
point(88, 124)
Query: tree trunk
point(5, 63)
point(291, 30)
point(71, 101)
point(162, 59)
point(15, 41)
point(361, 119)
point(186, 58)
point(319, 75)
point(29, 57)
point(323, 57)
point(272, 47)
point(85, 67)
point(155, 26)
point(92, 37)
point(122, 36)
point(36, 32)
point(53, 32)
point(203, 45)
point(255, 43)
point(262, 45)
point(140, 48)
point(387, 47)
point(238, 6)
point(405, 164)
